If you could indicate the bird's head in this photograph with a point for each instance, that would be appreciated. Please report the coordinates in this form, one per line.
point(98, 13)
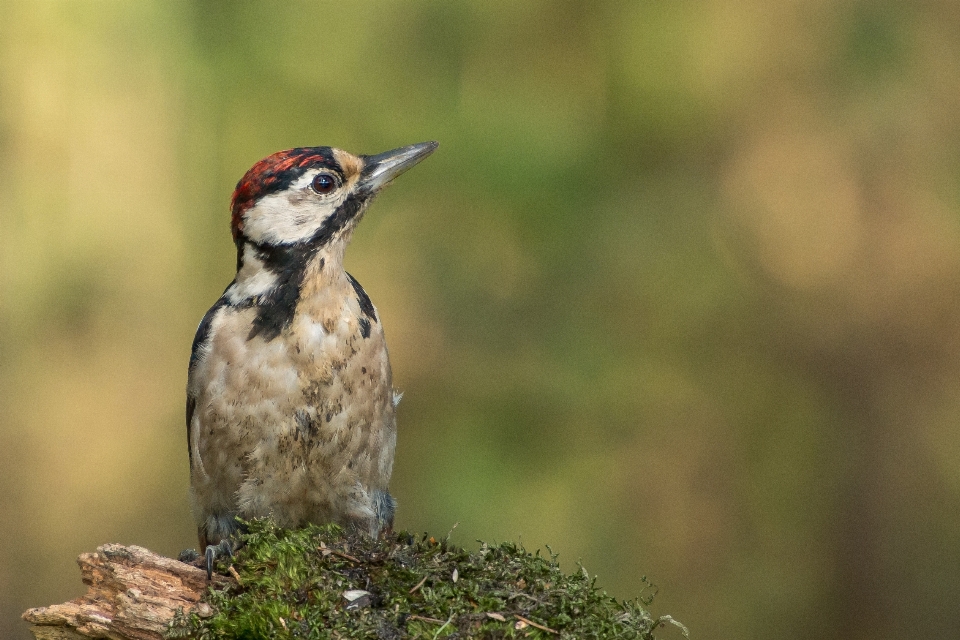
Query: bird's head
point(313, 196)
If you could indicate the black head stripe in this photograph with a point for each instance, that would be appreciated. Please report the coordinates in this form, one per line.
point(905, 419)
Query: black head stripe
point(346, 212)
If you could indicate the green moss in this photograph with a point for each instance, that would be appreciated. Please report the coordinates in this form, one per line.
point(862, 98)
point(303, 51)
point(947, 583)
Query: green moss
point(292, 585)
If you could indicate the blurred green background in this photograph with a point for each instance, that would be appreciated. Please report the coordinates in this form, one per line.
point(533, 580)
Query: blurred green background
point(678, 295)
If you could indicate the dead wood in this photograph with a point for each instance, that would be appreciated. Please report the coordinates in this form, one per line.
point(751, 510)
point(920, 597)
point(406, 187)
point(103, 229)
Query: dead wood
point(133, 594)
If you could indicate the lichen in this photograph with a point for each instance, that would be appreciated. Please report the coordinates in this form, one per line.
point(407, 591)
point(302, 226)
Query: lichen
point(320, 582)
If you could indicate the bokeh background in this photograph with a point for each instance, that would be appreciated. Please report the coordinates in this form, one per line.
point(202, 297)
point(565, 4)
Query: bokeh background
point(679, 294)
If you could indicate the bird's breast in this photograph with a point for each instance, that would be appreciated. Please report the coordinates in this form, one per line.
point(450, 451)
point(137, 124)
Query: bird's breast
point(328, 368)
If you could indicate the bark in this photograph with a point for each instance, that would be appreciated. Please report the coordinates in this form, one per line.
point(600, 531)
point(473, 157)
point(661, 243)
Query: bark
point(133, 594)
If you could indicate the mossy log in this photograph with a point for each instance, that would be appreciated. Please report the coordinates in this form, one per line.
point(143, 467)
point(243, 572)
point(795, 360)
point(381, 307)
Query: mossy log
point(322, 582)
point(133, 594)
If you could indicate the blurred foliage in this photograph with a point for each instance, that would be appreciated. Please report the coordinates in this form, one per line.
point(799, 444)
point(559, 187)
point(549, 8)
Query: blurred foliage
point(678, 294)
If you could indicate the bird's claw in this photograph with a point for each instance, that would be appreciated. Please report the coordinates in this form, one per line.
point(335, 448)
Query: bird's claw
point(212, 552)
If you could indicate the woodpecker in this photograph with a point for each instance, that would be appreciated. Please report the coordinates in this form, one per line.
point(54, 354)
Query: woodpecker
point(291, 411)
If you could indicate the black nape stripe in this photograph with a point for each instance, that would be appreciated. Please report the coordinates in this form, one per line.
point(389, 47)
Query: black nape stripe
point(365, 305)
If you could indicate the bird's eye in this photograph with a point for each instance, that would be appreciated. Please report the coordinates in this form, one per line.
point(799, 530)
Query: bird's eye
point(324, 183)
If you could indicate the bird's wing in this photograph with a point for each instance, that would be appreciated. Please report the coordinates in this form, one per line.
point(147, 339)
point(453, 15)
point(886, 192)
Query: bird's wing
point(200, 341)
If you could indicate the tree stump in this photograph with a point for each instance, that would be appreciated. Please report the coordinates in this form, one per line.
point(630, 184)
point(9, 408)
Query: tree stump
point(133, 595)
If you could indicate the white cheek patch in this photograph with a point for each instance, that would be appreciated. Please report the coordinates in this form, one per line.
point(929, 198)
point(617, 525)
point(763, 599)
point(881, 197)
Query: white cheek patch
point(292, 215)
point(277, 220)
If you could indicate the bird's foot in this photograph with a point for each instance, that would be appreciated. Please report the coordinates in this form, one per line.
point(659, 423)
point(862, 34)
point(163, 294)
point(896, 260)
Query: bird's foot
point(212, 552)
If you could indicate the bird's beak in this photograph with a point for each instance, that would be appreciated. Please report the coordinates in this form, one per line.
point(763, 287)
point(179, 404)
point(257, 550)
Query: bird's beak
point(380, 169)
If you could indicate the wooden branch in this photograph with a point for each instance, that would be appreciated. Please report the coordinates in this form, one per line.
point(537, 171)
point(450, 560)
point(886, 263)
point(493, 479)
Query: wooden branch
point(133, 595)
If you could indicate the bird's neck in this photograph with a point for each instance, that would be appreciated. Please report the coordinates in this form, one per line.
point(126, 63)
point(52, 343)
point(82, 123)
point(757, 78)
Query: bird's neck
point(267, 271)
point(277, 280)
point(324, 273)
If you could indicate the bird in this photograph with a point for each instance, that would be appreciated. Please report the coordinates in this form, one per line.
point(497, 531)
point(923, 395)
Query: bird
point(291, 410)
